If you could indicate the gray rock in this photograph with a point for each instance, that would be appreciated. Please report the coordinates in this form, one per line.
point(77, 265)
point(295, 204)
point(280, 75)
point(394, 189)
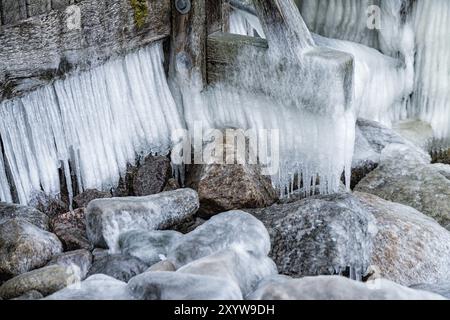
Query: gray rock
point(37, 7)
point(108, 218)
point(14, 11)
point(226, 230)
point(96, 287)
point(31, 295)
point(120, 267)
point(417, 132)
point(230, 187)
point(371, 139)
point(442, 289)
point(182, 286)
point(10, 211)
point(82, 200)
point(409, 247)
point(152, 176)
point(46, 280)
point(148, 246)
point(50, 205)
point(70, 228)
point(408, 178)
point(79, 259)
point(320, 235)
point(235, 265)
point(24, 247)
point(165, 265)
point(336, 288)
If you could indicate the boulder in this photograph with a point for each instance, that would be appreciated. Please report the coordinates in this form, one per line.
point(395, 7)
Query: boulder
point(31, 295)
point(24, 247)
point(96, 287)
point(10, 211)
point(320, 235)
point(46, 280)
point(82, 200)
point(409, 247)
point(336, 288)
point(108, 218)
point(442, 289)
point(370, 140)
point(164, 265)
point(70, 228)
point(235, 265)
point(52, 206)
point(229, 187)
point(226, 230)
point(152, 176)
point(408, 178)
point(417, 132)
point(148, 246)
point(182, 286)
point(80, 260)
point(120, 267)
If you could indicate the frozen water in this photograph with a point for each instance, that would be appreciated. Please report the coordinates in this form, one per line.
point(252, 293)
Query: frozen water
point(5, 193)
point(92, 123)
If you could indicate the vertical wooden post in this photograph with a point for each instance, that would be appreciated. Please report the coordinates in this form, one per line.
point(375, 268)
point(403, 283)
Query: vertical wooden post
point(189, 33)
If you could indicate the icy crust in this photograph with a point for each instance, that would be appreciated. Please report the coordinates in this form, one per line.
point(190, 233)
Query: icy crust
point(92, 123)
point(107, 219)
point(336, 288)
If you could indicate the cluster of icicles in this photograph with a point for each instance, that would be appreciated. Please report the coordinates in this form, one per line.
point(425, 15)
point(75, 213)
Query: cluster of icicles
point(89, 125)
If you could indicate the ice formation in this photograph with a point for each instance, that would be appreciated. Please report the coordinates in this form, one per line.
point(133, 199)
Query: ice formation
point(431, 99)
point(415, 32)
point(91, 124)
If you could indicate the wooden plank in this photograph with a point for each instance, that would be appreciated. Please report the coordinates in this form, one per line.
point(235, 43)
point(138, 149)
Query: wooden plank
point(45, 47)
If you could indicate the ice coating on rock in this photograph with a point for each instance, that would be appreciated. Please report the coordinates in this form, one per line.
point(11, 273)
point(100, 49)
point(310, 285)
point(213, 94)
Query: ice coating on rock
point(148, 246)
point(182, 286)
point(336, 288)
point(107, 219)
point(96, 287)
point(5, 193)
point(92, 123)
point(236, 229)
point(235, 264)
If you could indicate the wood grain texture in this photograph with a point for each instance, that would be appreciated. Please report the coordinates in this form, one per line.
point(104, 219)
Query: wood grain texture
point(42, 48)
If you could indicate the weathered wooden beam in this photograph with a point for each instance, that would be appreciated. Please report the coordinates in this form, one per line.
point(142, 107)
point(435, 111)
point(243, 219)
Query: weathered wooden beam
point(283, 25)
point(229, 53)
point(42, 48)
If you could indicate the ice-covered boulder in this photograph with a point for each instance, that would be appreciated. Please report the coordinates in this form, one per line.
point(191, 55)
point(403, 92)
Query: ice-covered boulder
point(320, 235)
point(81, 260)
point(148, 246)
point(24, 247)
point(96, 287)
point(371, 139)
point(182, 286)
point(336, 288)
point(238, 266)
point(164, 265)
point(407, 177)
point(70, 228)
point(230, 229)
point(409, 247)
point(108, 218)
point(10, 211)
point(442, 288)
point(120, 267)
point(46, 280)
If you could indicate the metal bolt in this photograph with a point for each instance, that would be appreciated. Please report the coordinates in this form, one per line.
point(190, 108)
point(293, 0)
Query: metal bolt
point(183, 6)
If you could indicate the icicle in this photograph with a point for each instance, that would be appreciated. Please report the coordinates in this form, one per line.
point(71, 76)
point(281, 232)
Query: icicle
point(5, 194)
point(93, 123)
point(431, 100)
